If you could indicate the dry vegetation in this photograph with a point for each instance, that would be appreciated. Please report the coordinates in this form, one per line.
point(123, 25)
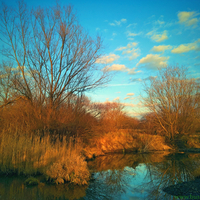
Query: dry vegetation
point(123, 141)
point(48, 125)
point(25, 154)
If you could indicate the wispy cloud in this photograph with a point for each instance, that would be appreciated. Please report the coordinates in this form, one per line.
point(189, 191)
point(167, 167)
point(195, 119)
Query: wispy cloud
point(108, 59)
point(130, 34)
point(159, 22)
point(133, 24)
point(153, 61)
point(122, 68)
point(183, 48)
point(161, 48)
point(132, 105)
point(145, 79)
point(158, 37)
point(150, 78)
point(115, 67)
point(188, 18)
point(130, 50)
point(117, 23)
point(130, 94)
point(135, 79)
point(117, 98)
point(129, 46)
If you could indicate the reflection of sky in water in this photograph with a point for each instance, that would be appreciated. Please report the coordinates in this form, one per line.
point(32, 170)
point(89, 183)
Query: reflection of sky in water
point(137, 189)
point(128, 180)
point(129, 183)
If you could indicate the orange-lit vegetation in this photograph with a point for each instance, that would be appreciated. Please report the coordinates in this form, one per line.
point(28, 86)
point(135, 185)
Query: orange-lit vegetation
point(43, 106)
point(123, 141)
point(25, 154)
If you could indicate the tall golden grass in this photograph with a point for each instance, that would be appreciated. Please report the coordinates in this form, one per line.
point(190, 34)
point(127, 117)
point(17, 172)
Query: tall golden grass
point(28, 154)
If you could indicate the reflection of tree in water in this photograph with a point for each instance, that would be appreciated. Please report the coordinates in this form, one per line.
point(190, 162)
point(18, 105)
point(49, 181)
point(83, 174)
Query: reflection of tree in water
point(175, 169)
point(108, 184)
point(115, 172)
point(157, 173)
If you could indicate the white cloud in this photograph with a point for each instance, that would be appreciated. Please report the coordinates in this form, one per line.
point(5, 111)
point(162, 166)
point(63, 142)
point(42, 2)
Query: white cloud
point(129, 104)
point(158, 37)
point(122, 68)
point(117, 98)
point(161, 48)
point(107, 59)
point(133, 105)
point(115, 67)
point(134, 53)
point(187, 18)
point(129, 46)
point(130, 50)
point(153, 61)
point(130, 94)
point(132, 71)
point(117, 23)
point(129, 34)
point(183, 48)
point(126, 98)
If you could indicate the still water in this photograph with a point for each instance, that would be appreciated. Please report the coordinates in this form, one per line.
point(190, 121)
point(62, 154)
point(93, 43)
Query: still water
point(117, 177)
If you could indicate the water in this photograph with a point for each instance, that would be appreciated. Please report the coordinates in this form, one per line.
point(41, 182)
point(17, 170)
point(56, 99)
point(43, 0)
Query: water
point(118, 176)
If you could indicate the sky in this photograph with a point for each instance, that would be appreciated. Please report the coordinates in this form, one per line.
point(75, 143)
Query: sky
point(140, 37)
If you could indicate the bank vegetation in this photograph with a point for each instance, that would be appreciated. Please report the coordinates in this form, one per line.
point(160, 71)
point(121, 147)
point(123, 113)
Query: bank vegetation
point(49, 126)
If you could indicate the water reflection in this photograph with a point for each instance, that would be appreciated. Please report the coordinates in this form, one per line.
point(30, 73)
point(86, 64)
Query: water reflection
point(131, 176)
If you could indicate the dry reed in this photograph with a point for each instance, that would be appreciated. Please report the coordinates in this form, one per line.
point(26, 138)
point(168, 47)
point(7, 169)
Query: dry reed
point(26, 154)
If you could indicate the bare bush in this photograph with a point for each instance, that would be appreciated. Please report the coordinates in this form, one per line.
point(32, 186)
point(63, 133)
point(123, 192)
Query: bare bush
point(174, 99)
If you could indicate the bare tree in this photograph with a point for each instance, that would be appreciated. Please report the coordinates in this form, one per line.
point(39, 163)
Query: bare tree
point(55, 57)
point(174, 100)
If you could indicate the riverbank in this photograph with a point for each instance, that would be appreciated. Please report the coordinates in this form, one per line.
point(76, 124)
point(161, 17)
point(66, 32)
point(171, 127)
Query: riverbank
point(65, 161)
point(124, 141)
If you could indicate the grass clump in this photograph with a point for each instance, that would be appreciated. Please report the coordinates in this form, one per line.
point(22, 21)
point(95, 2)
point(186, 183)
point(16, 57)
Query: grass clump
point(31, 181)
point(70, 170)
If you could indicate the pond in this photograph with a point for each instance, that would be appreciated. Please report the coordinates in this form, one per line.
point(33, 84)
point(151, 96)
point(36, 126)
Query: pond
point(116, 176)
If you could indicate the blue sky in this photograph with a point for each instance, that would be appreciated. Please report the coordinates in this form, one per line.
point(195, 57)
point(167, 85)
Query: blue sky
point(140, 37)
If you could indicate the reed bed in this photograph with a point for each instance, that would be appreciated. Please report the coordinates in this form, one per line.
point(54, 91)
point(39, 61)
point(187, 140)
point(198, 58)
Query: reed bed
point(31, 154)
